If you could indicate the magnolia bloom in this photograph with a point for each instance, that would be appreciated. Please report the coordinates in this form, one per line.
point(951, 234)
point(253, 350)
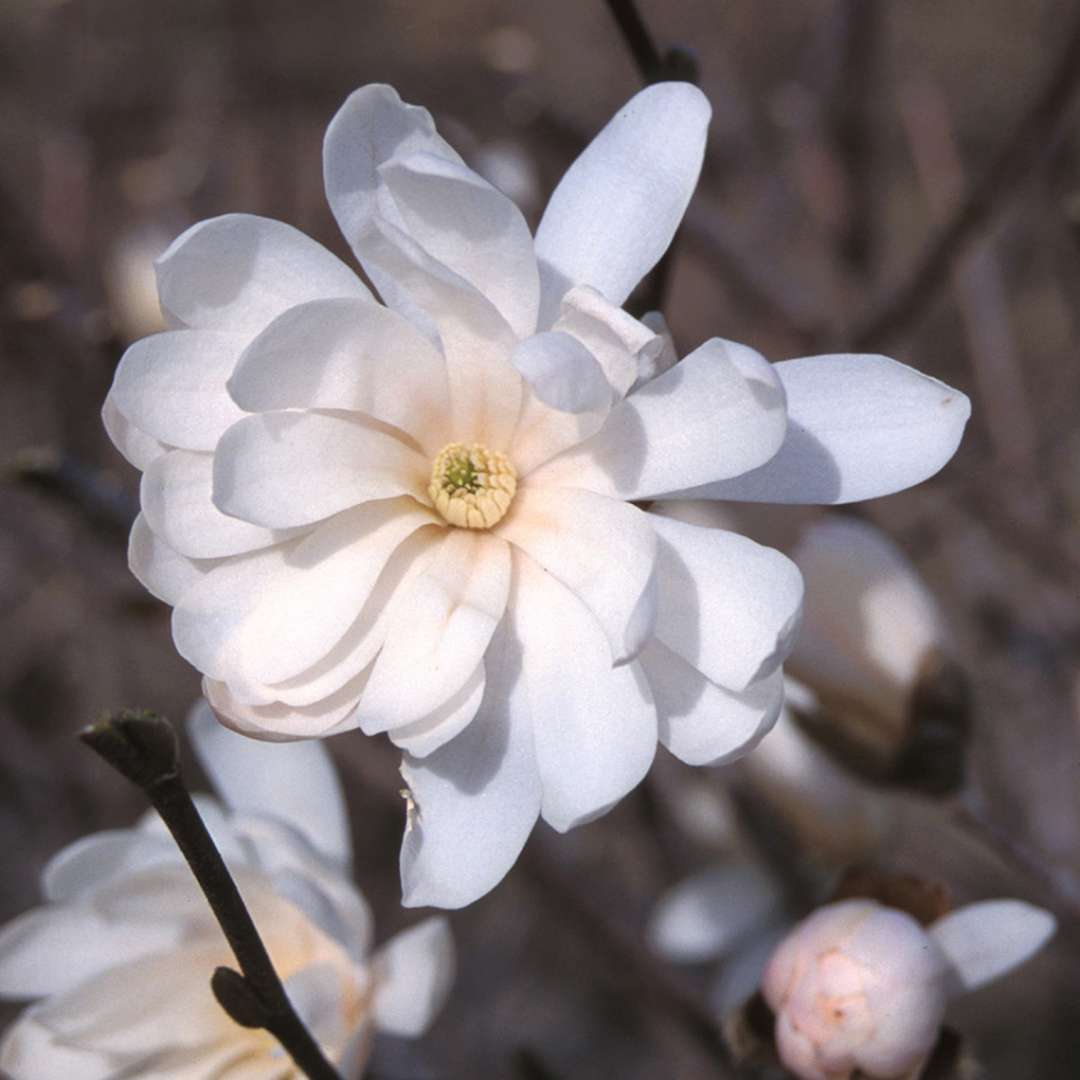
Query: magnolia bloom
point(421, 516)
point(122, 953)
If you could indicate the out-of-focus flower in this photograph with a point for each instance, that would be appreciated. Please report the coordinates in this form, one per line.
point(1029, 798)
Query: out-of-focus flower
point(861, 986)
point(122, 953)
point(421, 518)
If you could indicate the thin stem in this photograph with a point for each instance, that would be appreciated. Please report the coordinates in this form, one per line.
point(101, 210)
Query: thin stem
point(143, 748)
point(638, 40)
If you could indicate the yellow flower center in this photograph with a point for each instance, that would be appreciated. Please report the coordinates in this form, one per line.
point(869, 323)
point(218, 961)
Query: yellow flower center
point(472, 486)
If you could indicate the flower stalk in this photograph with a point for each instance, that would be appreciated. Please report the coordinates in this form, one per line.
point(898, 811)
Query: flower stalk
point(143, 747)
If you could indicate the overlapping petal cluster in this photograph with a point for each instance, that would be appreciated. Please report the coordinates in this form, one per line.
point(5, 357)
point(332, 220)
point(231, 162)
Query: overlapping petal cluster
point(429, 516)
point(121, 955)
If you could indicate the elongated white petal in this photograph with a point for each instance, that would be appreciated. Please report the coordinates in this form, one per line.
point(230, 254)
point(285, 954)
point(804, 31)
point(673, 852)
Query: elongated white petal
point(712, 912)
point(858, 427)
point(594, 725)
point(983, 941)
point(285, 469)
point(473, 802)
point(134, 444)
point(295, 783)
point(615, 211)
point(413, 974)
point(727, 605)
point(172, 385)
point(717, 413)
point(177, 505)
point(92, 860)
point(459, 219)
point(702, 723)
point(347, 354)
point(438, 631)
point(237, 272)
point(562, 372)
point(162, 571)
point(573, 534)
point(273, 615)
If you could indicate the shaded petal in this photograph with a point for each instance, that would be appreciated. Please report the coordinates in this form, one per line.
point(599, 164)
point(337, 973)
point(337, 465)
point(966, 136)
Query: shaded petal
point(717, 413)
point(427, 734)
point(162, 571)
point(135, 445)
point(702, 723)
point(615, 211)
point(296, 783)
point(172, 385)
point(238, 271)
point(347, 354)
point(93, 860)
point(438, 631)
point(176, 502)
point(595, 725)
point(283, 469)
point(562, 372)
point(543, 432)
point(473, 802)
point(728, 606)
point(858, 427)
point(30, 1051)
point(413, 974)
point(602, 549)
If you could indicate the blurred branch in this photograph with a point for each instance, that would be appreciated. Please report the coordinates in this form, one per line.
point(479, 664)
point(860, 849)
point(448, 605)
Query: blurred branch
point(143, 748)
point(1025, 149)
point(637, 37)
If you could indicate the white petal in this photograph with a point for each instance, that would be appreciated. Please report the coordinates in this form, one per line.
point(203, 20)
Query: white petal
point(602, 549)
point(702, 723)
point(727, 605)
point(295, 783)
point(172, 385)
point(858, 427)
point(413, 974)
point(136, 446)
point(272, 615)
point(427, 734)
point(347, 354)
point(982, 941)
point(31, 1051)
point(543, 432)
point(619, 342)
point(713, 912)
point(717, 413)
point(474, 801)
point(165, 573)
point(562, 372)
point(283, 469)
point(459, 219)
point(615, 211)
point(176, 502)
point(238, 271)
point(659, 354)
point(438, 631)
point(594, 725)
point(95, 859)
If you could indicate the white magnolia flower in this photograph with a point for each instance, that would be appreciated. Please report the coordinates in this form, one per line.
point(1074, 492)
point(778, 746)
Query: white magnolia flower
point(421, 516)
point(122, 952)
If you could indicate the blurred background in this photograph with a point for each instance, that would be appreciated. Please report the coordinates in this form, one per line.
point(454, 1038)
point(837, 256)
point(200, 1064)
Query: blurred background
point(847, 134)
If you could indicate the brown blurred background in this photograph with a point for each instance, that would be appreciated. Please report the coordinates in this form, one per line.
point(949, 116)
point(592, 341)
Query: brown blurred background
point(845, 133)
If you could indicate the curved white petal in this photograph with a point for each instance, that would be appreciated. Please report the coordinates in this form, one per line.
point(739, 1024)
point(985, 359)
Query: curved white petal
point(562, 372)
point(717, 413)
point(438, 631)
point(413, 974)
point(615, 211)
point(982, 941)
point(473, 803)
point(594, 725)
point(700, 722)
point(347, 354)
point(282, 469)
point(427, 734)
point(30, 1050)
point(858, 427)
point(172, 386)
point(728, 606)
point(602, 549)
point(92, 860)
point(176, 502)
point(273, 615)
point(238, 271)
point(543, 432)
point(294, 783)
point(162, 571)
point(459, 219)
point(135, 445)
